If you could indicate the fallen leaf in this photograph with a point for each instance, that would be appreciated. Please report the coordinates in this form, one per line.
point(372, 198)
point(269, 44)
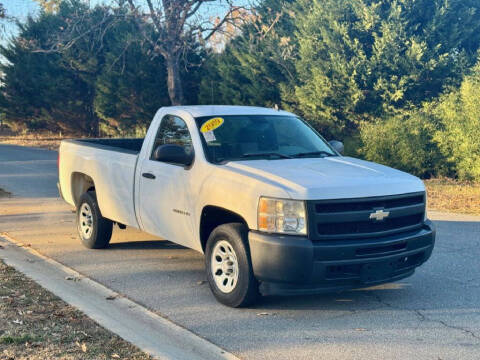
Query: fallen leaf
point(201, 282)
point(84, 347)
point(115, 356)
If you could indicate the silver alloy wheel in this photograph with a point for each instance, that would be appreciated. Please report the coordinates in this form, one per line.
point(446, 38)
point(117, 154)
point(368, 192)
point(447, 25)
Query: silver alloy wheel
point(85, 220)
point(224, 266)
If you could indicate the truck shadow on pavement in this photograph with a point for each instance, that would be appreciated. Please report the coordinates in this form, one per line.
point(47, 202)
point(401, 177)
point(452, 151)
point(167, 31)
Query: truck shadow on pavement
point(145, 245)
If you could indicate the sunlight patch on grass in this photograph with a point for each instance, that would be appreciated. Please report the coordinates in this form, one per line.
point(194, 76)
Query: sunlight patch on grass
point(453, 196)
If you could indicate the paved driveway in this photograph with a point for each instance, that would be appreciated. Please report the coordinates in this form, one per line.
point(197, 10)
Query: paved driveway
point(435, 314)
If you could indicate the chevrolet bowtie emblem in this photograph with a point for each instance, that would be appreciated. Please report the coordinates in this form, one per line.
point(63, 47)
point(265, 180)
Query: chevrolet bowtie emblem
point(379, 215)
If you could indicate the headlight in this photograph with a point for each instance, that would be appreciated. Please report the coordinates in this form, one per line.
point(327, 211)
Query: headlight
point(281, 216)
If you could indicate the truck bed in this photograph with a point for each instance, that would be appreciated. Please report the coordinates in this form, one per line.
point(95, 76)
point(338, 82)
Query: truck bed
point(106, 164)
point(125, 145)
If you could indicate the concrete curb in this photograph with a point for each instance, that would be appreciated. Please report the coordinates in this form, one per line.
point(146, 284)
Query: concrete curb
point(150, 332)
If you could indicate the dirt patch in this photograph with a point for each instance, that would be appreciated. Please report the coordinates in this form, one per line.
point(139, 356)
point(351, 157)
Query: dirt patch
point(453, 196)
point(35, 324)
point(42, 141)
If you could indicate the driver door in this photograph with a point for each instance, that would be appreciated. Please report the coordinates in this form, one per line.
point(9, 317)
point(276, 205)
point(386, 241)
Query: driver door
point(164, 205)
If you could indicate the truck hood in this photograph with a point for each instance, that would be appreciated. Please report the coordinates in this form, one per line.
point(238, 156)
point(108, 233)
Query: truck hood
point(329, 178)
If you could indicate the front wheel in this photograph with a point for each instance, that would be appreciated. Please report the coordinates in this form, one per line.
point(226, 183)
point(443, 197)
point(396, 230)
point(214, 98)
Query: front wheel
point(228, 266)
point(93, 229)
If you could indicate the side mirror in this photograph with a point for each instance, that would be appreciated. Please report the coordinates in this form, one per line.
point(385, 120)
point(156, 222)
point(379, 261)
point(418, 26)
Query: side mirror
point(172, 153)
point(337, 145)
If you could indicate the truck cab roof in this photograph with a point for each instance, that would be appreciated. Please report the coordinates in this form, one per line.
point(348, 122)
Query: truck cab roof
point(216, 110)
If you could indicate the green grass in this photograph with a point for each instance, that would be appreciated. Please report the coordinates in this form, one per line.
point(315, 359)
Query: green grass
point(17, 340)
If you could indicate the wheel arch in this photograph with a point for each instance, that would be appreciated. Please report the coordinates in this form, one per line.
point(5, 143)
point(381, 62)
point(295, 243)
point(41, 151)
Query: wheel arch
point(213, 216)
point(80, 184)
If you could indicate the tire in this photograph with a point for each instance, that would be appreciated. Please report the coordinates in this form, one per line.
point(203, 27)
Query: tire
point(232, 283)
point(93, 229)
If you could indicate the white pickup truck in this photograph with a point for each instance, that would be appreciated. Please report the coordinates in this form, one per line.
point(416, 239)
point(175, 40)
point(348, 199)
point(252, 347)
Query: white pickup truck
point(273, 206)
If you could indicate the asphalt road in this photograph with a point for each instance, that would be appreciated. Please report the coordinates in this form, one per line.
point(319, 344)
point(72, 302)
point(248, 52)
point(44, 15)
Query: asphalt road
point(435, 314)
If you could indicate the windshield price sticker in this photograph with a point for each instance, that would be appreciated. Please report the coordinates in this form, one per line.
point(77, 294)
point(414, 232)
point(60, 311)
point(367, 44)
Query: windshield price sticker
point(209, 136)
point(208, 127)
point(211, 124)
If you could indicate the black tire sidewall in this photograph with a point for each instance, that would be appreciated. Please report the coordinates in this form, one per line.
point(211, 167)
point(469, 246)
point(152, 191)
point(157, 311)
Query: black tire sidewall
point(246, 290)
point(102, 228)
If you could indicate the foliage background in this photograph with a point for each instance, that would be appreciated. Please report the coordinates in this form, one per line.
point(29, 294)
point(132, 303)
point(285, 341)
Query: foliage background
point(397, 80)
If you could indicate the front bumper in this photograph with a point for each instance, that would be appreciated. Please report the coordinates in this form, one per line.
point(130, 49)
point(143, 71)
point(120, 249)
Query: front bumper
point(295, 265)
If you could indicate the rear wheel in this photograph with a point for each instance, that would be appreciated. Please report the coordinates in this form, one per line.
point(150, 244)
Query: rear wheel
point(93, 229)
point(228, 266)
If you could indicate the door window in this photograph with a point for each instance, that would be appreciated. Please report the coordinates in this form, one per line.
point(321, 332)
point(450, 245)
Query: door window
point(173, 130)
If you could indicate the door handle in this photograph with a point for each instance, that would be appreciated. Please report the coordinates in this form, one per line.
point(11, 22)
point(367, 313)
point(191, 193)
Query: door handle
point(148, 176)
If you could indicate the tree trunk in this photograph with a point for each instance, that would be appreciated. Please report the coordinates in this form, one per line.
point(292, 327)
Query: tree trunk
point(175, 88)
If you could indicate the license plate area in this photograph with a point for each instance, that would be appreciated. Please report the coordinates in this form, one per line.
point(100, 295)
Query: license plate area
point(377, 271)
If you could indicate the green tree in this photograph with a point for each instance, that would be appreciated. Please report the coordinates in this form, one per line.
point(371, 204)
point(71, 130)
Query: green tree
point(131, 85)
point(458, 116)
point(99, 74)
point(364, 59)
point(442, 138)
point(37, 90)
point(257, 67)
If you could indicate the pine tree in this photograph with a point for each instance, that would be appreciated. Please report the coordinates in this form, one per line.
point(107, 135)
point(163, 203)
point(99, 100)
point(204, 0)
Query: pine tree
point(256, 66)
point(38, 91)
point(364, 59)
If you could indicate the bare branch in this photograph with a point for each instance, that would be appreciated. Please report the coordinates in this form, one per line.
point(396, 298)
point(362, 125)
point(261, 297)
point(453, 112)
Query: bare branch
point(154, 16)
point(219, 25)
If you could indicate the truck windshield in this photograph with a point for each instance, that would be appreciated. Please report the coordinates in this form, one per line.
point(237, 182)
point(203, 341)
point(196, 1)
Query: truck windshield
point(255, 137)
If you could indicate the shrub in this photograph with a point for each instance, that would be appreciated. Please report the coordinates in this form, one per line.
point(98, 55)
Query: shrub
point(404, 142)
point(458, 137)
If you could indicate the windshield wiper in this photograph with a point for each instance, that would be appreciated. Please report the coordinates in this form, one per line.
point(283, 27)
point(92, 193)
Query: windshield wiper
point(282, 156)
point(321, 152)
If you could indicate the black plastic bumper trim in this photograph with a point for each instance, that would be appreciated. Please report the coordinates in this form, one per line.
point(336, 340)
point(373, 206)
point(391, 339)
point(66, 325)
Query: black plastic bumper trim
point(296, 263)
